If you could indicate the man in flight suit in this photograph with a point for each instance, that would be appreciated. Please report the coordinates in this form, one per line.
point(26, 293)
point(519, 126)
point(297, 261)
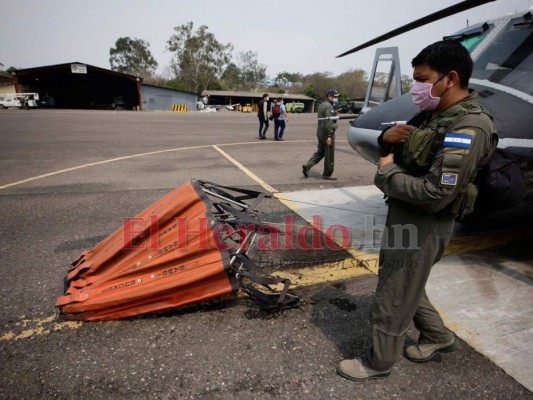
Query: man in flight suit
point(426, 171)
point(326, 137)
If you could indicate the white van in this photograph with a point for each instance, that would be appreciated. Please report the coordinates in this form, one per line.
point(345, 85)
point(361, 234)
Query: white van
point(18, 100)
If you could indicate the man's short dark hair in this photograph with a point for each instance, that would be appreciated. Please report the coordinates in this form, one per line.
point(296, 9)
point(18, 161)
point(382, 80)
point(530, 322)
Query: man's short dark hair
point(265, 95)
point(445, 56)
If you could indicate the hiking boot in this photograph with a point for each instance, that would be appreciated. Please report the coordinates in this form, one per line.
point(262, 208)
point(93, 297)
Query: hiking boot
point(329, 177)
point(424, 352)
point(305, 170)
point(356, 370)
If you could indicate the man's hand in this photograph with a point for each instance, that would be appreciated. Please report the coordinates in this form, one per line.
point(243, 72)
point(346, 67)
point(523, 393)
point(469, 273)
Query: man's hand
point(385, 160)
point(328, 141)
point(397, 134)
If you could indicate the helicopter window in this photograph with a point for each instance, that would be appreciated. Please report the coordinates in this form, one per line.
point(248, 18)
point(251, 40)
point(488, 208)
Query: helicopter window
point(508, 60)
point(471, 42)
point(472, 36)
point(383, 88)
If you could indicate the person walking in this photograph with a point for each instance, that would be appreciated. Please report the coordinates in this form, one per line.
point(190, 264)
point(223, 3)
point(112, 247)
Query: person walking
point(326, 136)
point(426, 170)
point(279, 112)
point(25, 102)
point(262, 115)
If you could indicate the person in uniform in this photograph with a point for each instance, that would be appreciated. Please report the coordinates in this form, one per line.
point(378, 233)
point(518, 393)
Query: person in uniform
point(262, 115)
point(326, 136)
point(25, 102)
point(426, 170)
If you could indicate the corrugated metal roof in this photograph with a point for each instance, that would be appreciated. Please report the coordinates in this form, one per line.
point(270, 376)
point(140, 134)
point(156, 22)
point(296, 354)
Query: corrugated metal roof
point(5, 78)
point(258, 95)
point(24, 71)
point(167, 88)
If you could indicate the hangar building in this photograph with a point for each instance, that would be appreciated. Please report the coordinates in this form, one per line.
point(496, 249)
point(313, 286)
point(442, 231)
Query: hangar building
point(160, 98)
point(228, 97)
point(83, 86)
point(6, 83)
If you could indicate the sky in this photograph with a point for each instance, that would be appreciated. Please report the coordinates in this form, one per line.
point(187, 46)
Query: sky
point(295, 35)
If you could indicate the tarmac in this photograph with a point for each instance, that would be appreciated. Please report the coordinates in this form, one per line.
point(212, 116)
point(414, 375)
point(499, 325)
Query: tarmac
point(69, 178)
point(483, 295)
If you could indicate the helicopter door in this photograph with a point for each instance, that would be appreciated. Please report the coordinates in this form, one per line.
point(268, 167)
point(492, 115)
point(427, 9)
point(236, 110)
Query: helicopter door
point(385, 80)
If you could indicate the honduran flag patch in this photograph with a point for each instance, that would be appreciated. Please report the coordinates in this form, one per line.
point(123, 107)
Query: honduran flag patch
point(459, 140)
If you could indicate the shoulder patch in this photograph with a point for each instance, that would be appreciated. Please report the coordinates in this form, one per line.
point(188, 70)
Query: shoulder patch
point(449, 179)
point(461, 140)
point(458, 141)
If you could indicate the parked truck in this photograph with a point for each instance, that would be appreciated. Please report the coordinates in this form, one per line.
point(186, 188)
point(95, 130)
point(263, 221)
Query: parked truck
point(294, 107)
point(18, 100)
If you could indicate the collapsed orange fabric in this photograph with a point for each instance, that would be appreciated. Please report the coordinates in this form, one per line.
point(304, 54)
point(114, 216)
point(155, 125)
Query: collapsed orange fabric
point(163, 258)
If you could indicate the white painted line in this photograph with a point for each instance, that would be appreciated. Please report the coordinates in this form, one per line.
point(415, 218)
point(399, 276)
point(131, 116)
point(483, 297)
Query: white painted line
point(506, 89)
point(34, 178)
point(93, 164)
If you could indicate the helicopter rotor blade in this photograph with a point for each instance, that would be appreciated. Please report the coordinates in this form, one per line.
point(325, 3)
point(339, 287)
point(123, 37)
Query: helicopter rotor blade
point(457, 8)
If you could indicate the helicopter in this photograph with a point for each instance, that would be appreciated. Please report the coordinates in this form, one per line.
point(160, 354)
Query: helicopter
point(502, 51)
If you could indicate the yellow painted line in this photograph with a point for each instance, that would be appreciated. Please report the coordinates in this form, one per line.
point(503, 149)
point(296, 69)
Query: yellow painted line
point(458, 245)
point(368, 260)
point(486, 240)
point(288, 203)
point(38, 327)
point(261, 182)
point(466, 334)
point(327, 272)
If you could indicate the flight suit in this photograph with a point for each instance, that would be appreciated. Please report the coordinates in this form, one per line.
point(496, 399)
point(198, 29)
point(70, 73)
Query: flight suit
point(428, 185)
point(325, 129)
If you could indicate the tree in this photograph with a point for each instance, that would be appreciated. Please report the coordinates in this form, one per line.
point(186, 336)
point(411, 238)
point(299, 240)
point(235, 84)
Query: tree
point(251, 72)
point(310, 91)
point(289, 78)
point(231, 78)
point(199, 57)
point(8, 70)
point(381, 79)
point(352, 84)
point(245, 75)
point(289, 81)
point(317, 84)
point(132, 56)
point(161, 79)
point(177, 84)
point(407, 83)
